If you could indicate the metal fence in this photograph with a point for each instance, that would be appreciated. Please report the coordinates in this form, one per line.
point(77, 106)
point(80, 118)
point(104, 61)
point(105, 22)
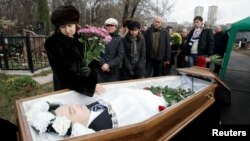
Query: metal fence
point(22, 53)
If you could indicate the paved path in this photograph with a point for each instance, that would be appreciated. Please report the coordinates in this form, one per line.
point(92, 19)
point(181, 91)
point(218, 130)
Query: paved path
point(237, 78)
point(43, 79)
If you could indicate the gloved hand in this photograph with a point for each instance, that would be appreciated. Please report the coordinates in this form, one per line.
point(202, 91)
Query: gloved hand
point(85, 71)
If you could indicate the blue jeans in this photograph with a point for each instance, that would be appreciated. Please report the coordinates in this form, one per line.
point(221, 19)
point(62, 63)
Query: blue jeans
point(192, 59)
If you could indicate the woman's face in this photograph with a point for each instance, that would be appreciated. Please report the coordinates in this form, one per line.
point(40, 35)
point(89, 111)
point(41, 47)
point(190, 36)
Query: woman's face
point(110, 28)
point(74, 112)
point(134, 32)
point(68, 29)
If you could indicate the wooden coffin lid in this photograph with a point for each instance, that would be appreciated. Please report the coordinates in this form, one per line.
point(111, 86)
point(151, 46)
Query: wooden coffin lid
point(202, 72)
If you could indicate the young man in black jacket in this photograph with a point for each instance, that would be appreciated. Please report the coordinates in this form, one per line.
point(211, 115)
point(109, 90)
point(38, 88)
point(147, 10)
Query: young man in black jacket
point(200, 42)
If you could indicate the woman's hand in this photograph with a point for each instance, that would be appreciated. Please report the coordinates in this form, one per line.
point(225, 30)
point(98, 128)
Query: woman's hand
point(99, 89)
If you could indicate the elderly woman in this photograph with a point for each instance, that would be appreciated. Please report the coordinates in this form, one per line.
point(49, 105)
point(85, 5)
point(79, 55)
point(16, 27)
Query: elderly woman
point(111, 59)
point(65, 54)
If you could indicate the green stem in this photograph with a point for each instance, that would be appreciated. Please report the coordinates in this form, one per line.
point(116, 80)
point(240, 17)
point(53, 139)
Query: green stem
point(85, 53)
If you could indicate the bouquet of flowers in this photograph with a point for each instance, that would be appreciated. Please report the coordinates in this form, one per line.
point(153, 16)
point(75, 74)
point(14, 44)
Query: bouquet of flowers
point(201, 61)
point(94, 40)
point(170, 95)
point(214, 59)
point(176, 39)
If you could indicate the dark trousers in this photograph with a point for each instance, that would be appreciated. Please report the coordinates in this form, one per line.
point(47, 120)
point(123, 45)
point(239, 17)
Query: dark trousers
point(217, 69)
point(108, 76)
point(181, 62)
point(154, 68)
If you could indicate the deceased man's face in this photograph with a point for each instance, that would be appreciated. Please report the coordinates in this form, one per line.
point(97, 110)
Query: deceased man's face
point(74, 112)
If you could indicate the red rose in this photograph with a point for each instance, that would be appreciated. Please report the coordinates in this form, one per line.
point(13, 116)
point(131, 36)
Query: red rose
point(145, 88)
point(158, 94)
point(201, 61)
point(161, 108)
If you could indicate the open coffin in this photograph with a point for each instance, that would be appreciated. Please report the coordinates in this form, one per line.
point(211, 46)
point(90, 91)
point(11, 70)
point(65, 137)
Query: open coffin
point(162, 126)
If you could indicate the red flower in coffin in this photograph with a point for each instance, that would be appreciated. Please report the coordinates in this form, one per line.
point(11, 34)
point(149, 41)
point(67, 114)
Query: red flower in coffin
point(158, 94)
point(201, 61)
point(161, 108)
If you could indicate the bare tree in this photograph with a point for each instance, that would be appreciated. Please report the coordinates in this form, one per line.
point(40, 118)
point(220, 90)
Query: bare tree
point(130, 8)
point(163, 8)
point(93, 12)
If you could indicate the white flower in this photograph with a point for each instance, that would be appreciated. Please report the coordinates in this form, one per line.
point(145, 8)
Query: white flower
point(79, 129)
point(40, 106)
point(31, 114)
point(41, 120)
point(61, 125)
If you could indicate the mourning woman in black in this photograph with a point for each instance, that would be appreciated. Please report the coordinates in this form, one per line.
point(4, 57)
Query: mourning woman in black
point(65, 54)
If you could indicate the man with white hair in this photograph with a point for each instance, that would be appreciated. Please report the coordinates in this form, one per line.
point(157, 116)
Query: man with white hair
point(157, 48)
point(111, 60)
point(220, 45)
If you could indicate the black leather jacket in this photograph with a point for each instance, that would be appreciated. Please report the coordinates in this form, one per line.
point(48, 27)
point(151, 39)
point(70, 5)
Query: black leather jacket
point(205, 43)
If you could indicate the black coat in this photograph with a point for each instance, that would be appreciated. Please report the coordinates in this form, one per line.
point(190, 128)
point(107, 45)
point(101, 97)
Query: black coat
point(164, 49)
point(205, 43)
point(114, 53)
point(65, 55)
point(138, 67)
point(220, 45)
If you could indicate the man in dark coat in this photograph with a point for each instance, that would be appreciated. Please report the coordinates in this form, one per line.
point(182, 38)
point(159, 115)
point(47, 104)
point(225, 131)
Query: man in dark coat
point(220, 45)
point(157, 48)
point(65, 54)
point(181, 62)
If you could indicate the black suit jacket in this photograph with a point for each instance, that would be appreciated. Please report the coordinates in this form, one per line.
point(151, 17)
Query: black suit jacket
point(101, 122)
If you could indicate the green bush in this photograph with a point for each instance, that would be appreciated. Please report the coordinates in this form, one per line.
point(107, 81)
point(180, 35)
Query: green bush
point(21, 82)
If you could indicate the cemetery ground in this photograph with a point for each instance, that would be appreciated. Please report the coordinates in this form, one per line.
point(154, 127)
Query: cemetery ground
point(13, 87)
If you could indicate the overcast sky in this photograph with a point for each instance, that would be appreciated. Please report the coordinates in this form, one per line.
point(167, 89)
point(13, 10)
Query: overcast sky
point(229, 11)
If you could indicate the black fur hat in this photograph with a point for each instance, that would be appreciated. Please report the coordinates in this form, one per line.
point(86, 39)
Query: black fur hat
point(65, 14)
point(133, 25)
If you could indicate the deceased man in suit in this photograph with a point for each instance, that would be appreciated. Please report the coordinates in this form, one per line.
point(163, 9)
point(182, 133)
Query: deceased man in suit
point(114, 108)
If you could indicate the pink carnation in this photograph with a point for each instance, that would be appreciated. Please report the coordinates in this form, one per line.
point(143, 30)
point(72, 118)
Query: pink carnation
point(94, 40)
